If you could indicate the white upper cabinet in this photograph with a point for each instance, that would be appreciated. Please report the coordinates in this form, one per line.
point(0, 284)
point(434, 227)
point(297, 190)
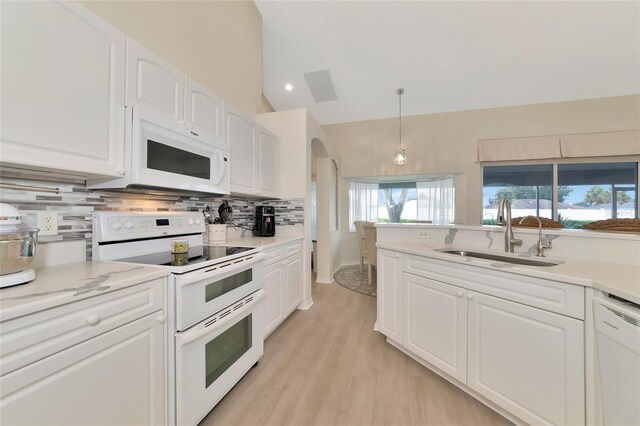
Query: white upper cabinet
point(269, 170)
point(254, 156)
point(203, 113)
point(241, 138)
point(62, 84)
point(153, 83)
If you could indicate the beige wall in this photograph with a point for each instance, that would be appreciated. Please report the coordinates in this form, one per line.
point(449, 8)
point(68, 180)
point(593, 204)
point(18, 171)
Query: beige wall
point(446, 143)
point(218, 43)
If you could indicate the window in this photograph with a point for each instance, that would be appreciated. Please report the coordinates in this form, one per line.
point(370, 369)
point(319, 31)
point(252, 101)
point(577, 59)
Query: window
point(529, 187)
point(402, 202)
point(584, 191)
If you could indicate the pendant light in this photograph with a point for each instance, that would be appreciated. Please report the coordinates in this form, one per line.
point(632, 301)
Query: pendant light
point(400, 155)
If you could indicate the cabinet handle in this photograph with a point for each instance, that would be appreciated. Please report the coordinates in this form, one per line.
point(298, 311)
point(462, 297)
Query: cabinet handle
point(459, 293)
point(93, 319)
point(161, 319)
point(120, 172)
point(469, 296)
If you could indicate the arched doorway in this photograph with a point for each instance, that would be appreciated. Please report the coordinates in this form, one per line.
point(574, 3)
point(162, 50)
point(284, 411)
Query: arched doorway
point(321, 180)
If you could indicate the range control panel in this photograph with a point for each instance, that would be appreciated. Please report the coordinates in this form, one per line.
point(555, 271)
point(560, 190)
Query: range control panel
point(117, 226)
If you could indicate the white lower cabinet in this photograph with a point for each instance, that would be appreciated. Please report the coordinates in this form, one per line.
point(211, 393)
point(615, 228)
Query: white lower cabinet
point(390, 289)
point(526, 360)
point(293, 283)
point(436, 324)
point(273, 309)
point(116, 378)
point(282, 284)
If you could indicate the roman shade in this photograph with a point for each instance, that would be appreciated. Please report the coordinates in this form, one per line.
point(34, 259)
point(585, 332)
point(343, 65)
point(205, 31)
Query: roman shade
point(604, 144)
point(601, 144)
point(512, 149)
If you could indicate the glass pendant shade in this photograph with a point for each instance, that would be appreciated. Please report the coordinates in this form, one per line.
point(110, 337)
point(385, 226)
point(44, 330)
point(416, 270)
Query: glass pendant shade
point(400, 155)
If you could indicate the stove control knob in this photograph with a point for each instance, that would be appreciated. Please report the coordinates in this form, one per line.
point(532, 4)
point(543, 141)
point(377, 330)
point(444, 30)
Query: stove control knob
point(115, 225)
point(129, 225)
point(198, 221)
point(190, 221)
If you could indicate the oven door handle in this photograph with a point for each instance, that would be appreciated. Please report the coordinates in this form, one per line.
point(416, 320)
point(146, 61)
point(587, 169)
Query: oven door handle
point(192, 335)
point(192, 278)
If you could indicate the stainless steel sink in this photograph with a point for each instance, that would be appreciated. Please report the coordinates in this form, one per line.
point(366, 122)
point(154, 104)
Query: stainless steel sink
point(500, 258)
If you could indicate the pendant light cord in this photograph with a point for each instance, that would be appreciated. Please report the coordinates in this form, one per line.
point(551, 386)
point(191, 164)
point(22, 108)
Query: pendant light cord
point(400, 92)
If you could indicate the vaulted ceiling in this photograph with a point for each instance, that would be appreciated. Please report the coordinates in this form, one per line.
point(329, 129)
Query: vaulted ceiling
point(448, 56)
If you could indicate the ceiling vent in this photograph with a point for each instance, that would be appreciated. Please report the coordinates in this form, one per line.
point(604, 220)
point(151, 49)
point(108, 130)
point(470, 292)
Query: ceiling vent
point(321, 86)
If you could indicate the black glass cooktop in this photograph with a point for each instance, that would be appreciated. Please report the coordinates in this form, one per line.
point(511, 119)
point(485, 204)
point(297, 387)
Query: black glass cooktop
point(195, 255)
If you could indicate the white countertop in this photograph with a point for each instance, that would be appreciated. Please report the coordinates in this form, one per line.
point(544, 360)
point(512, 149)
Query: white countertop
point(262, 242)
point(617, 279)
point(58, 285)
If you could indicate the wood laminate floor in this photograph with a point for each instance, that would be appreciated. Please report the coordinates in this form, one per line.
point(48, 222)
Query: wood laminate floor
point(326, 366)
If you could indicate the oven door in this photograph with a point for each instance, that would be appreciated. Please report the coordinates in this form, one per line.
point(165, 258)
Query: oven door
point(165, 155)
point(214, 355)
point(204, 292)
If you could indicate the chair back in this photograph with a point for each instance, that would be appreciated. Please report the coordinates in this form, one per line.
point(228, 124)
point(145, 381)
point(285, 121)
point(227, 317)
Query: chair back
point(371, 235)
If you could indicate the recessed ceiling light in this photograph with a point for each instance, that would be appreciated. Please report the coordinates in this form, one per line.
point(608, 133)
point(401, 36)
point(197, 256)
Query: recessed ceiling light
point(288, 87)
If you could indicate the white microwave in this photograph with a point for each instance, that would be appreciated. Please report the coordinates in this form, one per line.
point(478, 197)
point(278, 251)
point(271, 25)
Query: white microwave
point(162, 154)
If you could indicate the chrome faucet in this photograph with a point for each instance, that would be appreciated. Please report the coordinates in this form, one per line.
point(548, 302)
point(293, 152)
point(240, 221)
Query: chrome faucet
point(541, 246)
point(504, 209)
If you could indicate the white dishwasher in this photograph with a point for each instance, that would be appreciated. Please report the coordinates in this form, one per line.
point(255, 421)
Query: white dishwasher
point(617, 326)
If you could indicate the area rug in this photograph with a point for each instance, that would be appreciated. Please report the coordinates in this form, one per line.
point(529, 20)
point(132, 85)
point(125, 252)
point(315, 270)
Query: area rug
point(351, 278)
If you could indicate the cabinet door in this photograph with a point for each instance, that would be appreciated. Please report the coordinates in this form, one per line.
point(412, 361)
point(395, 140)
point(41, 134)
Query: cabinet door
point(269, 171)
point(153, 83)
point(293, 282)
point(244, 153)
point(274, 298)
point(389, 294)
point(117, 378)
point(62, 84)
point(203, 113)
point(436, 324)
point(526, 360)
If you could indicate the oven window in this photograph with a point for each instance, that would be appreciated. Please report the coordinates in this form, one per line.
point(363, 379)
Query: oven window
point(173, 160)
point(227, 348)
point(218, 288)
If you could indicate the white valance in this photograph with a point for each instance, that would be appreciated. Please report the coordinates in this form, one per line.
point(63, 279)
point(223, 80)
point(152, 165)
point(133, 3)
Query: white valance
point(605, 144)
point(513, 149)
point(601, 144)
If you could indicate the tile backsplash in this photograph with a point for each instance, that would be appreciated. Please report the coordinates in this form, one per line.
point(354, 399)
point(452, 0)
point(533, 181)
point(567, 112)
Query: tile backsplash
point(75, 204)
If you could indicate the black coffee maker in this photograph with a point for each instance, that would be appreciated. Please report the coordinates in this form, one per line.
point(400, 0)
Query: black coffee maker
point(265, 225)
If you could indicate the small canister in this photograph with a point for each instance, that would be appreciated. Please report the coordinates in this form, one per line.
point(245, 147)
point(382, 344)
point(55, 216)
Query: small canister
point(217, 233)
point(179, 246)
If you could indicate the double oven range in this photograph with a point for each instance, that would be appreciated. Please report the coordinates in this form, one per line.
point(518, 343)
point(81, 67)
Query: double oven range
point(214, 307)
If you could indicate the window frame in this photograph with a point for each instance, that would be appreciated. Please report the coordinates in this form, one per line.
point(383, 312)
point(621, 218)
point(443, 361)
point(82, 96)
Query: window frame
point(555, 163)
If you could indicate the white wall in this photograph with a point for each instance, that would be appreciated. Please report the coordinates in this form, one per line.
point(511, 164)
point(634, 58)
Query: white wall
point(446, 143)
point(218, 43)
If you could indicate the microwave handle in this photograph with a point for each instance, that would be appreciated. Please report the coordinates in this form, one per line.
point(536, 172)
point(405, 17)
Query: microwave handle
point(222, 163)
point(192, 335)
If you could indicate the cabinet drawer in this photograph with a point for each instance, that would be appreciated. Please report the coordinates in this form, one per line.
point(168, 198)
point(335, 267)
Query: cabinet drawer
point(34, 337)
point(292, 249)
point(273, 255)
point(562, 298)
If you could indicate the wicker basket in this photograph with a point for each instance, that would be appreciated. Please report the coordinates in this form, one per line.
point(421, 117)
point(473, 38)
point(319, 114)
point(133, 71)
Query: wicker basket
point(614, 225)
point(531, 222)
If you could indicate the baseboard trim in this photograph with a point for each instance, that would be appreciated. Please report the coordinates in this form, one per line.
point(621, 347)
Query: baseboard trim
point(324, 280)
point(305, 305)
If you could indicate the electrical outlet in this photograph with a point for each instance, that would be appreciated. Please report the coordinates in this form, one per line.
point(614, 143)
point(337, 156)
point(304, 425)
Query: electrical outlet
point(423, 234)
point(48, 223)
